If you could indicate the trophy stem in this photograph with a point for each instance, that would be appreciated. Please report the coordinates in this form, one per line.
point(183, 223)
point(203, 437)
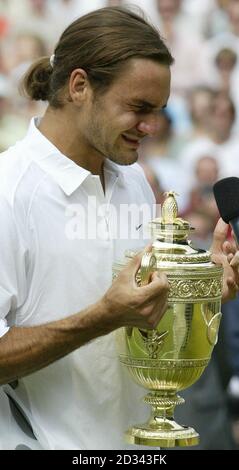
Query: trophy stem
point(161, 429)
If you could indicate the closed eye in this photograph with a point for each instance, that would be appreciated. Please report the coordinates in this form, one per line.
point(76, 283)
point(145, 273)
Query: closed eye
point(148, 109)
point(143, 108)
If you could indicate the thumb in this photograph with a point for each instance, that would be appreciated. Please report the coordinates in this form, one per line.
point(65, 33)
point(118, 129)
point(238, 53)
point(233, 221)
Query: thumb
point(135, 263)
point(219, 236)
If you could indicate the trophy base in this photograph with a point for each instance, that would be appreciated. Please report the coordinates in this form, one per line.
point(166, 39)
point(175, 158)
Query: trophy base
point(167, 433)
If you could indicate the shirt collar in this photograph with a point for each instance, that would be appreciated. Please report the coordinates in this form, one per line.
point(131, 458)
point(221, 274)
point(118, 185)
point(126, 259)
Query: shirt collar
point(62, 169)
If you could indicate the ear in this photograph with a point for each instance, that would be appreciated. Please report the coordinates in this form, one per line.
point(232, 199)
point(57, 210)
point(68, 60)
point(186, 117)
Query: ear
point(78, 86)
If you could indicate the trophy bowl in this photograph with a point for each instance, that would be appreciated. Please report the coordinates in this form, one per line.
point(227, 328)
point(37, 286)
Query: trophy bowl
point(172, 356)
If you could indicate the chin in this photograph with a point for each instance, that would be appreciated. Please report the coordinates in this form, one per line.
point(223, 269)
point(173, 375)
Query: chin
point(125, 160)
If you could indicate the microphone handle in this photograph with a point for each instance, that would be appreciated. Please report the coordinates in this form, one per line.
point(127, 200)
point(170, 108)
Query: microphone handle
point(235, 227)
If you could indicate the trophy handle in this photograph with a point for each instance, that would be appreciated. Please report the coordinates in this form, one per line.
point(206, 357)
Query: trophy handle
point(147, 264)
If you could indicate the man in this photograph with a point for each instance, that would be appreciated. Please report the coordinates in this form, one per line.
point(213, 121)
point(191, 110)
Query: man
point(106, 83)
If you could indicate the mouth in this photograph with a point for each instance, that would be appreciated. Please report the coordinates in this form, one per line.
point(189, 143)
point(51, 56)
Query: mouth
point(132, 141)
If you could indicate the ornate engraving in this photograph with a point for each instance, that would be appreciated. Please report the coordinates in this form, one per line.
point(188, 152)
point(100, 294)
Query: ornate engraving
point(192, 258)
point(163, 364)
point(198, 258)
point(154, 341)
point(157, 400)
point(182, 289)
point(187, 434)
point(194, 289)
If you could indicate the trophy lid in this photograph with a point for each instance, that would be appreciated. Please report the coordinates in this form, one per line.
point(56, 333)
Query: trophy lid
point(170, 237)
point(191, 274)
point(170, 228)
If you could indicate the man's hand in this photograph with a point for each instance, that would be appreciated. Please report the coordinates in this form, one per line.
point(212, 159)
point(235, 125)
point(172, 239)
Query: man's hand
point(224, 253)
point(127, 304)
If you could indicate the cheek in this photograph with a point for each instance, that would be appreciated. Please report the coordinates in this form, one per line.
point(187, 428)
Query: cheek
point(128, 121)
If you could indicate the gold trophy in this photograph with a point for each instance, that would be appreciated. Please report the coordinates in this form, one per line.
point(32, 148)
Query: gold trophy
point(172, 356)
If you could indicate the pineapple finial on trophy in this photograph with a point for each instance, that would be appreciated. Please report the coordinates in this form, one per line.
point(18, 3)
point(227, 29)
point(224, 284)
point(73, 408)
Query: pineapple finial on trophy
point(169, 226)
point(169, 208)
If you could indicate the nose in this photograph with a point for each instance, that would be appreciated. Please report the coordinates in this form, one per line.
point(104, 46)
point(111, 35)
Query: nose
point(149, 125)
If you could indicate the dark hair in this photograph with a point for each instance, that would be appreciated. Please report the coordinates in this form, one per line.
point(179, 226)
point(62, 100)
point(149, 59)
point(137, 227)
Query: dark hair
point(228, 54)
point(100, 43)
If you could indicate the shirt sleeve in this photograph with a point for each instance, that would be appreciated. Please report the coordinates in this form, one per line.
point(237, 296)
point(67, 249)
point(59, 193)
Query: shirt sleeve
point(12, 266)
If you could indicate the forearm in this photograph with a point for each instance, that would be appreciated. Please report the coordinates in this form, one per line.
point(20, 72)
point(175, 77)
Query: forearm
point(24, 350)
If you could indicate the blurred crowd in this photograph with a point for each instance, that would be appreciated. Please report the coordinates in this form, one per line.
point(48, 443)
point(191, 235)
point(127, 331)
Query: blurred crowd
point(198, 140)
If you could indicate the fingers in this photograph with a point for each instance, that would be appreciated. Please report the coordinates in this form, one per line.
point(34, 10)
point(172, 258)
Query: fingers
point(134, 264)
point(229, 248)
point(231, 289)
point(232, 283)
point(158, 285)
point(159, 276)
point(234, 260)
point(148, 248)
point(157, 315)
point(217, 259)
point(219, 236)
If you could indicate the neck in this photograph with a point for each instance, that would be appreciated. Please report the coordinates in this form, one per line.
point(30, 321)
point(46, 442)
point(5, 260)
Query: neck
point(58, 127)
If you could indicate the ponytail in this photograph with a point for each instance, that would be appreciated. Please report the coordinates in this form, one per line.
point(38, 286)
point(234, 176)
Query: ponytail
point(36, 83)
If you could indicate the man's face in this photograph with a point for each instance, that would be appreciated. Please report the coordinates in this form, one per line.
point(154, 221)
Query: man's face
point(168, 9)
point(116, 121)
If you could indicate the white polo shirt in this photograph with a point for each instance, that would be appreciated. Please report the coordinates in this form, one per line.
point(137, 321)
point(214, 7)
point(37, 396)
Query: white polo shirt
point(59, 237)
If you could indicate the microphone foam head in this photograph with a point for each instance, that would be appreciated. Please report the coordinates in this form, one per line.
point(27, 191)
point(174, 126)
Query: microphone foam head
point(226, 192)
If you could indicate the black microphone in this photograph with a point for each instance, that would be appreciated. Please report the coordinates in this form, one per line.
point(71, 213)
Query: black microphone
point(226, 192)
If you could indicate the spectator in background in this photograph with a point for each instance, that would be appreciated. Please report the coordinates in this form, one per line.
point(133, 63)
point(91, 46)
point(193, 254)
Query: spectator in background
point(219, 137)
point(202, 211)
point(222, 118)
point(175, 26)
point(201, 195)
point(227, 39)
point(25, 48)
point(217, 19)
point(203, 225)
point(160, 154)
point(12, 126)
point(225, 61)
point(158, 190)
point(200, 107)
